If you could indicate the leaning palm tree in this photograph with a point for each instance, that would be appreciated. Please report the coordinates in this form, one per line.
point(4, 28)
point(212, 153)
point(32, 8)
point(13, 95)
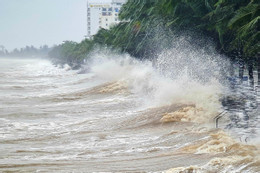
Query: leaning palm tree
point(245, 24)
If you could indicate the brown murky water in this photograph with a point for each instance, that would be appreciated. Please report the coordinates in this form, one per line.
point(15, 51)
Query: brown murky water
point(121, 119)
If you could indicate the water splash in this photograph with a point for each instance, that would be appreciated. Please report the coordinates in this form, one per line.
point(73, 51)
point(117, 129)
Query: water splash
point(127, 111)
point(179, 75)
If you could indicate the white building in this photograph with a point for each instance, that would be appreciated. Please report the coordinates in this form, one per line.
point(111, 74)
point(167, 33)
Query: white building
point(102, 15)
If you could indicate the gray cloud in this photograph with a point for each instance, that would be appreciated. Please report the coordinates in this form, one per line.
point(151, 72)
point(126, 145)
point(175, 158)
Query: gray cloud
point(39, 22)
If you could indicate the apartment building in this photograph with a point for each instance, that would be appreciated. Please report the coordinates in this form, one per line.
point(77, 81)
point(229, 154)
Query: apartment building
point(102, 15)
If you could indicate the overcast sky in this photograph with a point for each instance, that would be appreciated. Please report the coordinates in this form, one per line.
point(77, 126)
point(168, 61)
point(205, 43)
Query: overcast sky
point(39, 22)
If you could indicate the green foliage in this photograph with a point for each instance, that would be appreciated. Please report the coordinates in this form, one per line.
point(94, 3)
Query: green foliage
point(71, 52)
point(245, 24)
point(27, 51)
point(234, 25)
point(147, 26)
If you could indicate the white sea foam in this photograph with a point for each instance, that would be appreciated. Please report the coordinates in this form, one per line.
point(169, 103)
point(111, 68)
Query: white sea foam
point(179, 75)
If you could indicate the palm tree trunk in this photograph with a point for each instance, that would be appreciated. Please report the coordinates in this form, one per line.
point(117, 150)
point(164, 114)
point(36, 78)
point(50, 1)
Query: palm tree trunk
point(241, 70)
point(258, 69)
point(232, 66)
point(250, 73)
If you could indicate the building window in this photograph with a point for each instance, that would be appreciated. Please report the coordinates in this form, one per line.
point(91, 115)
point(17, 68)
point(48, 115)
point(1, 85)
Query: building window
point(104, 9)
point(106, 19)
point(116, 10)
point(106, 24)
point(104, 13)
point(110, 9)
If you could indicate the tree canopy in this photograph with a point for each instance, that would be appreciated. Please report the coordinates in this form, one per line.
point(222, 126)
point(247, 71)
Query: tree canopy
point(147, 25)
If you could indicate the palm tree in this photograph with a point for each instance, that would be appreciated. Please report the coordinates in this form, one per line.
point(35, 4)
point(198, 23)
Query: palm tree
point(245, 24)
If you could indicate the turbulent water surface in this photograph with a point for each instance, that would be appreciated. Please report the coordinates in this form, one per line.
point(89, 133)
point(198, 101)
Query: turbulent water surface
point(122, 115)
